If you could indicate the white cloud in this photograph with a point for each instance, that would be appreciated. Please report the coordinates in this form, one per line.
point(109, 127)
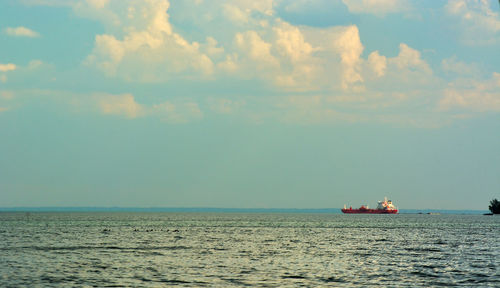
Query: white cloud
point(410, 58)
point(377, 63)
point(34, 69)
point(235, 14)
point(98, 3)
point(149, 50)
point(176, 110)
point(399, 79)
point(453, 65)
point(256, 49)
point(377, 7)
point(146, 47)
point(473, 95)
point(173, 111)
point(349, 46)
point(240, 11)
point(211, 47)
point(479, 23)
point(261, 6)
point(7, 67)
point(407, 70)
point(278, 53)
point(124, 105)
point(21, 32)
point(229, 65)
point(290, 42)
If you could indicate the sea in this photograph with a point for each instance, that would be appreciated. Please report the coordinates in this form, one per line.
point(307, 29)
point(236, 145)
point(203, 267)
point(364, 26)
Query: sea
point(227, 249)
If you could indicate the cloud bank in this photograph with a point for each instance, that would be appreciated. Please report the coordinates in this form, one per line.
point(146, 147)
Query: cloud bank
point(307, 73)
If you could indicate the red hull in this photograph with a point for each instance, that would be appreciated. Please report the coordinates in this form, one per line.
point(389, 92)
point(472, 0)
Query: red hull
point(369, 211)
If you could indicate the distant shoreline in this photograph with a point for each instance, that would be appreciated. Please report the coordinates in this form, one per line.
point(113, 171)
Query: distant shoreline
point(220, 210)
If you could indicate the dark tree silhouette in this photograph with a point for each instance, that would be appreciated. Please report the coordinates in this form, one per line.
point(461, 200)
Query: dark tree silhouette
point(494, 206)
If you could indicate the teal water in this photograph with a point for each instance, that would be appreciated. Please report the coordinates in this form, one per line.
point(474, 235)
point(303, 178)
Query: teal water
point(237, 249)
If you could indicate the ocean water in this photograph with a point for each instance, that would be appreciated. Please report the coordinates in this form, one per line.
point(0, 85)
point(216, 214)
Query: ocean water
point(236, 249)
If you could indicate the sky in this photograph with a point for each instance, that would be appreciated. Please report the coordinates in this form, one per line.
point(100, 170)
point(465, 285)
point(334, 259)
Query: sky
point(249, 103)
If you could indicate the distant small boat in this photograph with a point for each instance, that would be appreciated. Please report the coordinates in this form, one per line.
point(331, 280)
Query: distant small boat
point(384, 207)
point(433, 213)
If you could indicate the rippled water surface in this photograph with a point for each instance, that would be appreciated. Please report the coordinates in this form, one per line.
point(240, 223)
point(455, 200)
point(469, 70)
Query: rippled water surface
point(192, 250)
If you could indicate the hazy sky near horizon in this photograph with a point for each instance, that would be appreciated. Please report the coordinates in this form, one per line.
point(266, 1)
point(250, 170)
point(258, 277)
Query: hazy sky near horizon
point(249, 103)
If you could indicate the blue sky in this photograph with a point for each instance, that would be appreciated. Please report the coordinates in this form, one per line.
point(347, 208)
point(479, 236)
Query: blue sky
point(249, 104)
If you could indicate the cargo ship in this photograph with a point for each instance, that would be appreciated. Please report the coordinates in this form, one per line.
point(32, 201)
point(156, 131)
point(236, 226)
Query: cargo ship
point(384, 207)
